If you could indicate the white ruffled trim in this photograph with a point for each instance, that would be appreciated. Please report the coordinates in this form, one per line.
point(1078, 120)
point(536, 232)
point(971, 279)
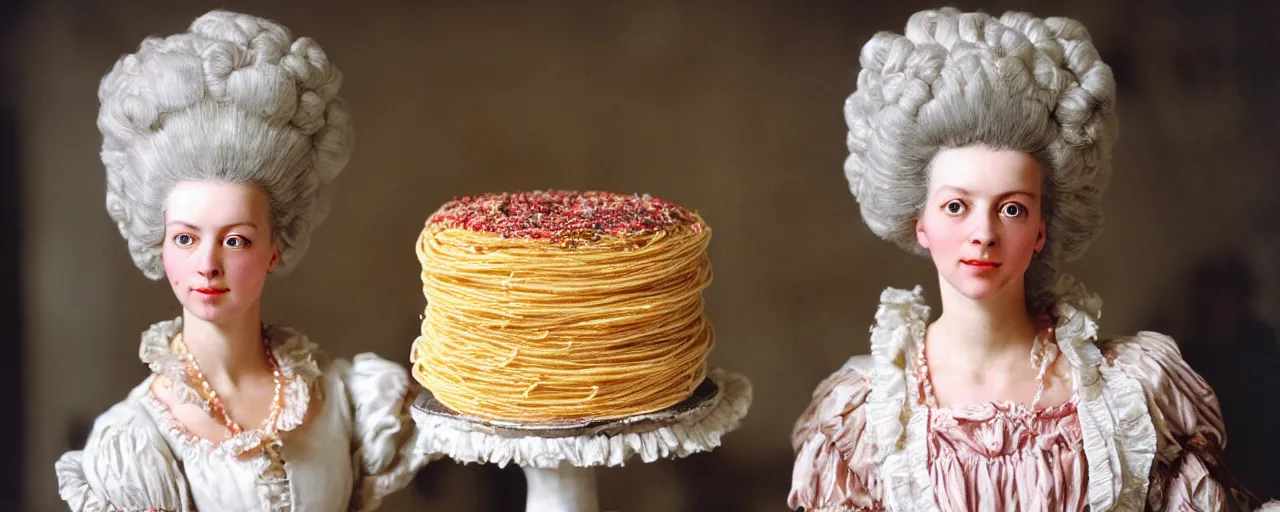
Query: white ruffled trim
point(294, 354)
point(898, 426)
point(458, 440)
point(296, 357)
point(1115, 420)
point(274, 494)
point(156, 352)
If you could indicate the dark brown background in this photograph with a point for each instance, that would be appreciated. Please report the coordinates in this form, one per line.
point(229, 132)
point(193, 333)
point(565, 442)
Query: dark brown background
point(732, 108)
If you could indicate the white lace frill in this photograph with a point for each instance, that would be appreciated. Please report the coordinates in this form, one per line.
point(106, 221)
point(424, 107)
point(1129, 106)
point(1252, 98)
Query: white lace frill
point(459, 440)
point(293, 353)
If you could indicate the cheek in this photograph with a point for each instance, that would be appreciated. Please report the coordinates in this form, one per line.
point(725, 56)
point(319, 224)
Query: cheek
point(943, 233)
point(175, 265)
point(1022, 239)
point(249, 269)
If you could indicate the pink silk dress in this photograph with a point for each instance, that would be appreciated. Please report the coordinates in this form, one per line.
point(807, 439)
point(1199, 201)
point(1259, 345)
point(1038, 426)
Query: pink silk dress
point(1021, 457)
point(1142, 431)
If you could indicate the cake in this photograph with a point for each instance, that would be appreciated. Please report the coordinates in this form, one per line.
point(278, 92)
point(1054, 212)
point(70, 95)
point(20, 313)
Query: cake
point(554, 306)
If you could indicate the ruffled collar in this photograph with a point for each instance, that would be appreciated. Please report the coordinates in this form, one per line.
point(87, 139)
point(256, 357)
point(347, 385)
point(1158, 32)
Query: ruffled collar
point(294, 353)
point(1119, 446)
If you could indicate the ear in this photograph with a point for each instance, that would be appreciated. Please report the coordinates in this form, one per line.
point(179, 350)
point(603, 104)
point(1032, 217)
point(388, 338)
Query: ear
point(922, 238)
point(275, 257)
point(1040, 238)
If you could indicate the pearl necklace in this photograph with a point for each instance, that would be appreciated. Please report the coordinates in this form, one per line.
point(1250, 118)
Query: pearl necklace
point(210, 396)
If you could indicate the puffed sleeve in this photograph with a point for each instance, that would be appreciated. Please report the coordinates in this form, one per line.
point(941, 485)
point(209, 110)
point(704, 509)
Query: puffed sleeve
point(835, 465)
point(384, 435)
point(1189, 472)
point(125, 465)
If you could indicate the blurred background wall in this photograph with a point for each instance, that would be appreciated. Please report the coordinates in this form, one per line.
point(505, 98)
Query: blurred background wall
point(732, 108)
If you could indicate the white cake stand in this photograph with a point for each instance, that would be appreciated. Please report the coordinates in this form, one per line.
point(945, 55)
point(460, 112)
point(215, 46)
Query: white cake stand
point(559, 459)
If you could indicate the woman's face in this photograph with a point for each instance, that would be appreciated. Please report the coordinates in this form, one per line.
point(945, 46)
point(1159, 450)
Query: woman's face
point(982, 220)
point(218, 247)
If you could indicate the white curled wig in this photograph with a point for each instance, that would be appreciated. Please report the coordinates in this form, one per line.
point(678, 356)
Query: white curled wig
point(964, 79)
point(234, 99)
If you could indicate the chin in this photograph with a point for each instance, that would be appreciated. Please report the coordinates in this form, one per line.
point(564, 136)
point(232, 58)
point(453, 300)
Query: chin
point(213, 313)
point(980, 289)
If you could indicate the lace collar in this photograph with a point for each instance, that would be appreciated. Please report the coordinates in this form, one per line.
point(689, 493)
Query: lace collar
point(294, 353)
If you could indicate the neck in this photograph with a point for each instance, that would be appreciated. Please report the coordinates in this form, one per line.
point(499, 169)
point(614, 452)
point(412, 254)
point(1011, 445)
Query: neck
point(974, 334)
point(228, 352)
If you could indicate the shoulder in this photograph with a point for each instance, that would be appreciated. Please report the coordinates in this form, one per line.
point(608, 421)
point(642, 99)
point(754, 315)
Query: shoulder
point(1182, 402)
point(379, 393)
point(126, 425)
point(836, 404)
point(1141, 346)
point(368, 378)
point(835, 466)
point(1152, 358)
point(366, 386)
point(126, 462)
point(384, 435)
point(837, 410)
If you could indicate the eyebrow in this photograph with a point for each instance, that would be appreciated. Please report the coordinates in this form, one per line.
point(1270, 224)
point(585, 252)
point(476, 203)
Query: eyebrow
point(193, 226)
point(964, 192)
point(957, 190)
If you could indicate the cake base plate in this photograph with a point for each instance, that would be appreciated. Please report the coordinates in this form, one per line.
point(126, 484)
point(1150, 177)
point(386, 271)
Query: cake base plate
point(699, 403)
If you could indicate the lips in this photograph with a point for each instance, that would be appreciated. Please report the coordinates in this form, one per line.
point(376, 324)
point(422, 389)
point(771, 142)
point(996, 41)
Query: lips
point(211, 290)
point(981, 263)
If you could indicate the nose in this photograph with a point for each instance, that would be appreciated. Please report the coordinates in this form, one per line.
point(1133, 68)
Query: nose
point(210, 265)
point(983, 234)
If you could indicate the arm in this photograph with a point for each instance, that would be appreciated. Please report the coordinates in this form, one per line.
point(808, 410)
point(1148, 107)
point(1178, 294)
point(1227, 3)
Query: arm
point(384, 435)
point(835, 466)
point(1189, 472)
point(125, 465)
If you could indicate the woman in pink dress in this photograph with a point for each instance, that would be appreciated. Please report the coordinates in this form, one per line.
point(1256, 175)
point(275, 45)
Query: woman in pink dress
point(984, 143)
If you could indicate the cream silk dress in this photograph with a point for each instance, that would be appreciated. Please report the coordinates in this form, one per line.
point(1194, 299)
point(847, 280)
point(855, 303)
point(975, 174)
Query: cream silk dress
point(347, 440)
point(1141, 431)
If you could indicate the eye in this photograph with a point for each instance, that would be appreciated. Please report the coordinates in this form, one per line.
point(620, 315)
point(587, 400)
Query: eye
point(953, 207)
point(1013, 210)
point(184, 240)
point(236, 242)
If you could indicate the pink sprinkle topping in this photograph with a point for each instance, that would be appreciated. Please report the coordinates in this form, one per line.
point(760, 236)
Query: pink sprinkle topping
point(562, 217)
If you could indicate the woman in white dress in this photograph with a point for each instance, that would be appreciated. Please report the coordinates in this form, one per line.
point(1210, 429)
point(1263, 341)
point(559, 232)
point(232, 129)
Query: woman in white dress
point(220, 145)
